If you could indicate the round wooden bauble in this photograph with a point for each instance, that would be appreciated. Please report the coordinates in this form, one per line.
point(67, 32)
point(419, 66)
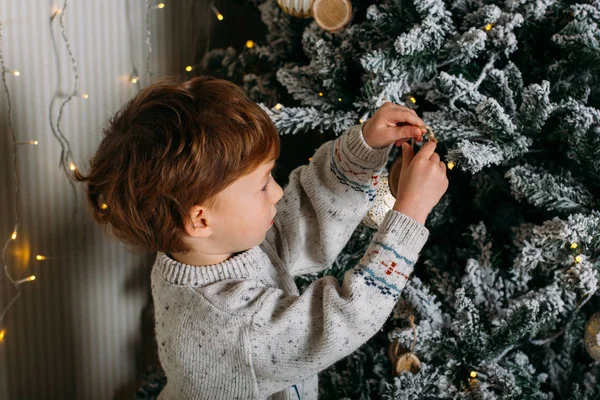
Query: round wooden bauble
point(591, 337)
point(402, 359)
point(332, 15)
point(394, 176)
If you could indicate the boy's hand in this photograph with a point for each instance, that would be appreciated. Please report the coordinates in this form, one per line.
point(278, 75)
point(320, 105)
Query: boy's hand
point(393, 123)
point(422, 182)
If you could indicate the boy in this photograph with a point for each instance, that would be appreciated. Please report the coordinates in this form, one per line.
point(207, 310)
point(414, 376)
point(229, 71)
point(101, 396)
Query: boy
point(184, 170)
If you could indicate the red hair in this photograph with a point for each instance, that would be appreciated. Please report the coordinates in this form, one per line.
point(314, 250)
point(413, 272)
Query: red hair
point(173, 146)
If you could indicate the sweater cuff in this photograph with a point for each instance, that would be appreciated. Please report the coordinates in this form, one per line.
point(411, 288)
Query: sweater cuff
point(404, 230)
point(354, 143)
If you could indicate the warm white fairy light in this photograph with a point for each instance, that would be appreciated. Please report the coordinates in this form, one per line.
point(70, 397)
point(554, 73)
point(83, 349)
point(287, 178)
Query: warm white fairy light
point(188, 68)
point(84, 96)
point(160, 5)
point(320, 94)
point(278, 106)
point(14, 235)
point(249, 44)
point(2, 334)
point(28, 279)
point(72, 166)
point(30, 142)
point(217, 13)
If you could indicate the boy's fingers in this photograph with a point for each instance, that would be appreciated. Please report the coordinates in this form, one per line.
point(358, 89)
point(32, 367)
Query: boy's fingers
point(403, 116)
point(427, 150)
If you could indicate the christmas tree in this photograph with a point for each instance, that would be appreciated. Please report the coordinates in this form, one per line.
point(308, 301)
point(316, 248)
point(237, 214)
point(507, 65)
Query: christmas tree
point(506, 285)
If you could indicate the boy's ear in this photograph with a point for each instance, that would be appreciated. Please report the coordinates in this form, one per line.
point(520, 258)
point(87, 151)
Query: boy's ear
point(198, 226)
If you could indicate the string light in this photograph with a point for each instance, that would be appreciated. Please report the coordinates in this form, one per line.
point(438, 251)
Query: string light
point(55, 13)
point(84, 96)
point(249, 44)
point(28, 279)
point(339, 99)
point(364, 117)
point(450, 165)
point(473, 374)
point(578, 259)
point(134, 79)
point(573, 245)
point(217, 13)
point(278, 106)
point(160, 5)
point(413, 100)
point(13, 71)
point(320, 94)
point(2, 334)
point(104, 206)
point(40, 258)
point(309, 159)
point(32, 142)
point(188, 68)
point(13, 136)
point(72, 166)
point(488, 27)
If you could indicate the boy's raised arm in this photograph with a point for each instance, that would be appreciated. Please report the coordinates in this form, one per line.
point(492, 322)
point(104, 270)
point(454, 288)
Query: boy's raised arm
point(325, 201)
point(295, 337)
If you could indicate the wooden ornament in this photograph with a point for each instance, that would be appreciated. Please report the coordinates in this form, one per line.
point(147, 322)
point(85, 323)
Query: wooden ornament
point(332, 15)
point(403, 359)
point(394, 176)
point(591, 337)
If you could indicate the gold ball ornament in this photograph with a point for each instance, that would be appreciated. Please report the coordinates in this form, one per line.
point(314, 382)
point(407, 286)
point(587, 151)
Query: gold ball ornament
point(402, 359)
point(330, 15)
point(591, 337)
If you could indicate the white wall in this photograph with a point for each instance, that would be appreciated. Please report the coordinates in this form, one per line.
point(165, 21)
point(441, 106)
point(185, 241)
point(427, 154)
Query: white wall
point(75, 331)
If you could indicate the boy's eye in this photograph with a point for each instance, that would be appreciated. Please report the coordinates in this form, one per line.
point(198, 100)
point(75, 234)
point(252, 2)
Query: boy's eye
point(264, 189)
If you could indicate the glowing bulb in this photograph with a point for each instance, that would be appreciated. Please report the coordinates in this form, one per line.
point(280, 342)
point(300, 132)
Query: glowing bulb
point(220, 17)
point(488, 27)
point(28, 279)
point(14, 235)
point(578, 259)
point(573, 245)
point(310, 159)
point(2, 333)
point(360, 121)
point(249, 44)
point(16, 73)
point(413, 100)
point(339, 99)
point(72, 167)
point(473, 374)
point(40, 258)
point(450, 165)
point(85, 96)
point(161, 5)
point(320, 94)
point(104, 206)
point(133, 80)
point(278, 106)
point(34, 142)
point(188, 68)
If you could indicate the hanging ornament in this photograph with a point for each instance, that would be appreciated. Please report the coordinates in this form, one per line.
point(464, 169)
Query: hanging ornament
point(384, 201)
point(402, 359)
point(591, 337)
point(330, 15)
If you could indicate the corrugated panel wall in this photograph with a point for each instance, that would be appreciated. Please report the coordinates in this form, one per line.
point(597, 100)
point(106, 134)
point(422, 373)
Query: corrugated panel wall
point(75, 331)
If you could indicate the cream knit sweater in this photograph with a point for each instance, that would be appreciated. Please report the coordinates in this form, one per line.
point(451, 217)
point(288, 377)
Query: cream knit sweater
point(240, 330)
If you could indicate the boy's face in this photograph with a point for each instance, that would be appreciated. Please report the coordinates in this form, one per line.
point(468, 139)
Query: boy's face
point(239, 222)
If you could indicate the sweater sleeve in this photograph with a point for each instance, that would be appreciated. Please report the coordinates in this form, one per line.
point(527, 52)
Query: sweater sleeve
point(324, 202)
point(295, 337)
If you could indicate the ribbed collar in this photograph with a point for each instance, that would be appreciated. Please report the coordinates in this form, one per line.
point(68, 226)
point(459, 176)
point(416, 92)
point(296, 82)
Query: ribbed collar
point(242, 265)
